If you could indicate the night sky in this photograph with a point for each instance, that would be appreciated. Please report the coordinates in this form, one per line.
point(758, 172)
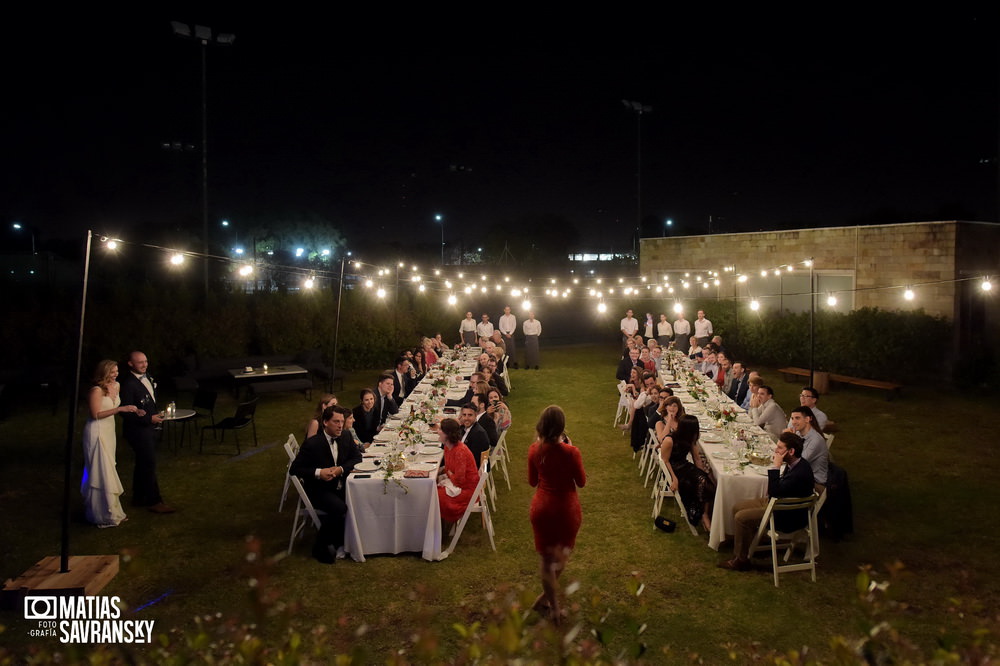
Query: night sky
point(761, 122)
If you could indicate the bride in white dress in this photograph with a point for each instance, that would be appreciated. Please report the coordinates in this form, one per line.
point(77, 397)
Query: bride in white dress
point(101, 487)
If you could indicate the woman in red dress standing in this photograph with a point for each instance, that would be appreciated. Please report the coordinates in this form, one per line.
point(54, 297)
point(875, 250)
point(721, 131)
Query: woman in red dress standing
point(460, 467)
point(555, 468)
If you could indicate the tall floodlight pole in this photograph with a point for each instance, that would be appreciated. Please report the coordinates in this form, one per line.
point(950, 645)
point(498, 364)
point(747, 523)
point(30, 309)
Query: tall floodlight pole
point(204, 35)
point(336, 330)
point(812, 320)
point(639, 109)
point(440, 220)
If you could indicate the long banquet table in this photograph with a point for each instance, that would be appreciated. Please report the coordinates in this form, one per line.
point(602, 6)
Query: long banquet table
point(400, 515)
point(735, 479)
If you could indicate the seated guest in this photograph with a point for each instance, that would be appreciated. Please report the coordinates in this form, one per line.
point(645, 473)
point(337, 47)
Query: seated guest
point(638, 423)
point(385, 406)
point(473, 434)
point(814, 448)
point(710, 366)
point(694, 349)
point(497, 340)
point(739, 383)
point(365, 417)
point(402, 381)
point(323, 463)
point(722, 378)
point(717, 344)
point(656, 353)
point(418, 368)
point(485, 420)
point(438, 343)
point(797, 481)
point(498, 409)
point(652, 408)
point(646, 361)
point(808, 397)
point(501, 357)
point(474, 381)
point(625, 366)
point(432, 350)
point(691, 479)
point(460, 468)
point(349, 429)
point(671, 410)
point(315, 424)
point(766, 413)
point(494, 378)
point(755, 382)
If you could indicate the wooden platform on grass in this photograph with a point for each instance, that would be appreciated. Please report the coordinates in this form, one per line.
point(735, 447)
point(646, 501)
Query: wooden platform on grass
point(87, 576)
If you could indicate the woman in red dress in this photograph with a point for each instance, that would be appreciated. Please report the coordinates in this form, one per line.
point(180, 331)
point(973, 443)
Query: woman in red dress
point(460, 467)
point(555, 468)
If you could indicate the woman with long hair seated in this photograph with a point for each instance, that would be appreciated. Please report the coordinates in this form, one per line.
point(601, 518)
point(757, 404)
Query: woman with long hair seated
point(315, 425)
point(671, 412)
point(418, 367)
point(696, 486)
point(555, 469)
point(431, 354)
point(498, 409)
point(460, 469)
point(365, 417)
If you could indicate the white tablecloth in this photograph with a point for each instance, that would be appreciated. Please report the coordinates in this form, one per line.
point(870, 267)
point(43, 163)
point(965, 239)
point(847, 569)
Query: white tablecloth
point(383, 518)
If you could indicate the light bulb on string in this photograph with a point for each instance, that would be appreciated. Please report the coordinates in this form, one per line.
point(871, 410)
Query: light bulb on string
point(755, 305)
point(908, 294)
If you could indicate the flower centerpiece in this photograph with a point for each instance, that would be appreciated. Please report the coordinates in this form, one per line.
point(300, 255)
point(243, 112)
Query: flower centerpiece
point(698, 392)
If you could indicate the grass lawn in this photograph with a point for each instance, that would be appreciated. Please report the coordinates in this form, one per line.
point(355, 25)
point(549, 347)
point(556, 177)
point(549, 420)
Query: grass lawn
point(924, 493)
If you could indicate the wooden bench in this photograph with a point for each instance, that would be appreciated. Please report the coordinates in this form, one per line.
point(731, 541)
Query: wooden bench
point(892, 388)
point(796, 372)
point(281, 385)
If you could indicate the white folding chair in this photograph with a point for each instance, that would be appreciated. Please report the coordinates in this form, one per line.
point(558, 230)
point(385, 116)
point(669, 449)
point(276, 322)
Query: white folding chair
point(477, 504)
point(506, 372)
point(661, 489)
point(502, 457)
point(788, 540)
point(304, 510)
point(652, 454)
point(624, 406)
point(291, 450)
point(829, 440)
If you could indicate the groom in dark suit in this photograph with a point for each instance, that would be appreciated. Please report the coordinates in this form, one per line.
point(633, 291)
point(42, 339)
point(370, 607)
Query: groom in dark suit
point(139, 389)
point(323, 463)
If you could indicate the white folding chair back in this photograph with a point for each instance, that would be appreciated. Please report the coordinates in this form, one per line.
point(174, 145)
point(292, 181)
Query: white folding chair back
point(304, 510)
point(477, 504)
point(829, 440)
point(291, 450)
point(624, 406)
point(506, 372)
point(661, 489)
point(788, 540)
point(502, 456)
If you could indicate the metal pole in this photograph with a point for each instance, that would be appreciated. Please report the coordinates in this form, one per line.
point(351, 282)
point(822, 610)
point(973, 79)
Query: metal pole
point(71, 428)
point(204, 162)
point(336, 330)
point(812, 325)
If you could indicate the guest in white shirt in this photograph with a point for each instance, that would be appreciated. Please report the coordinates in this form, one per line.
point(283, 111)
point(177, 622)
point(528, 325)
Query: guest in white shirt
point(815, 449)
point(767, 413)
point(808, 397)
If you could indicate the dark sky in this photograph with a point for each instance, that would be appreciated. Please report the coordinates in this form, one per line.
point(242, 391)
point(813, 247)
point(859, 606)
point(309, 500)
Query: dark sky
point(763, 121)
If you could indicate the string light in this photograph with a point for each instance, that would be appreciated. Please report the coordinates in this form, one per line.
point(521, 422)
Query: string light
point(986, 285)
point(246, 270)
point(831, 300)
point(526, 305)
point(309, 282)
point(380, 293)
point(177, 259)
point(452, 300)
point(908, 294)
point(602, 308)
point(755, 305)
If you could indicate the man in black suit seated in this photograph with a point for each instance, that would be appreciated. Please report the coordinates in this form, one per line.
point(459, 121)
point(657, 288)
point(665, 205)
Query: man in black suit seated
point(485, 420)
point(385, 406)
point(473, 434)
point(626, 364)
point(323, 463)
point(795, 481)
point(402, 381)
point(740, 383)
point(473, 380)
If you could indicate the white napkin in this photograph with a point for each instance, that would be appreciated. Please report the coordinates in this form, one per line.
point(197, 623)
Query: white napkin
point(449, 487)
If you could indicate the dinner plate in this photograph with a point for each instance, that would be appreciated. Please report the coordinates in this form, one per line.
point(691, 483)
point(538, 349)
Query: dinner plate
point(758, 469)
point(724, 455)
point(422, 466)
point(366, 466)
point(377, 450)
point(711, 438)
point(432, 448)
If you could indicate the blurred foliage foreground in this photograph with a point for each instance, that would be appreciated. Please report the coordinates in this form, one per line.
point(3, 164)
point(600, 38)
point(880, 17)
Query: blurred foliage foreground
point(509, 633)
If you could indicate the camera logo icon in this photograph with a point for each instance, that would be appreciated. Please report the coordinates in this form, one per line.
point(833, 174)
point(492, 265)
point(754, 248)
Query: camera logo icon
point(41, 608)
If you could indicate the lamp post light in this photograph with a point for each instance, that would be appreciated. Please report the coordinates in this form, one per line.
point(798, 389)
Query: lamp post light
point(639, 108)
point(20, 227)
point(440, 220)
point(204, 35)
